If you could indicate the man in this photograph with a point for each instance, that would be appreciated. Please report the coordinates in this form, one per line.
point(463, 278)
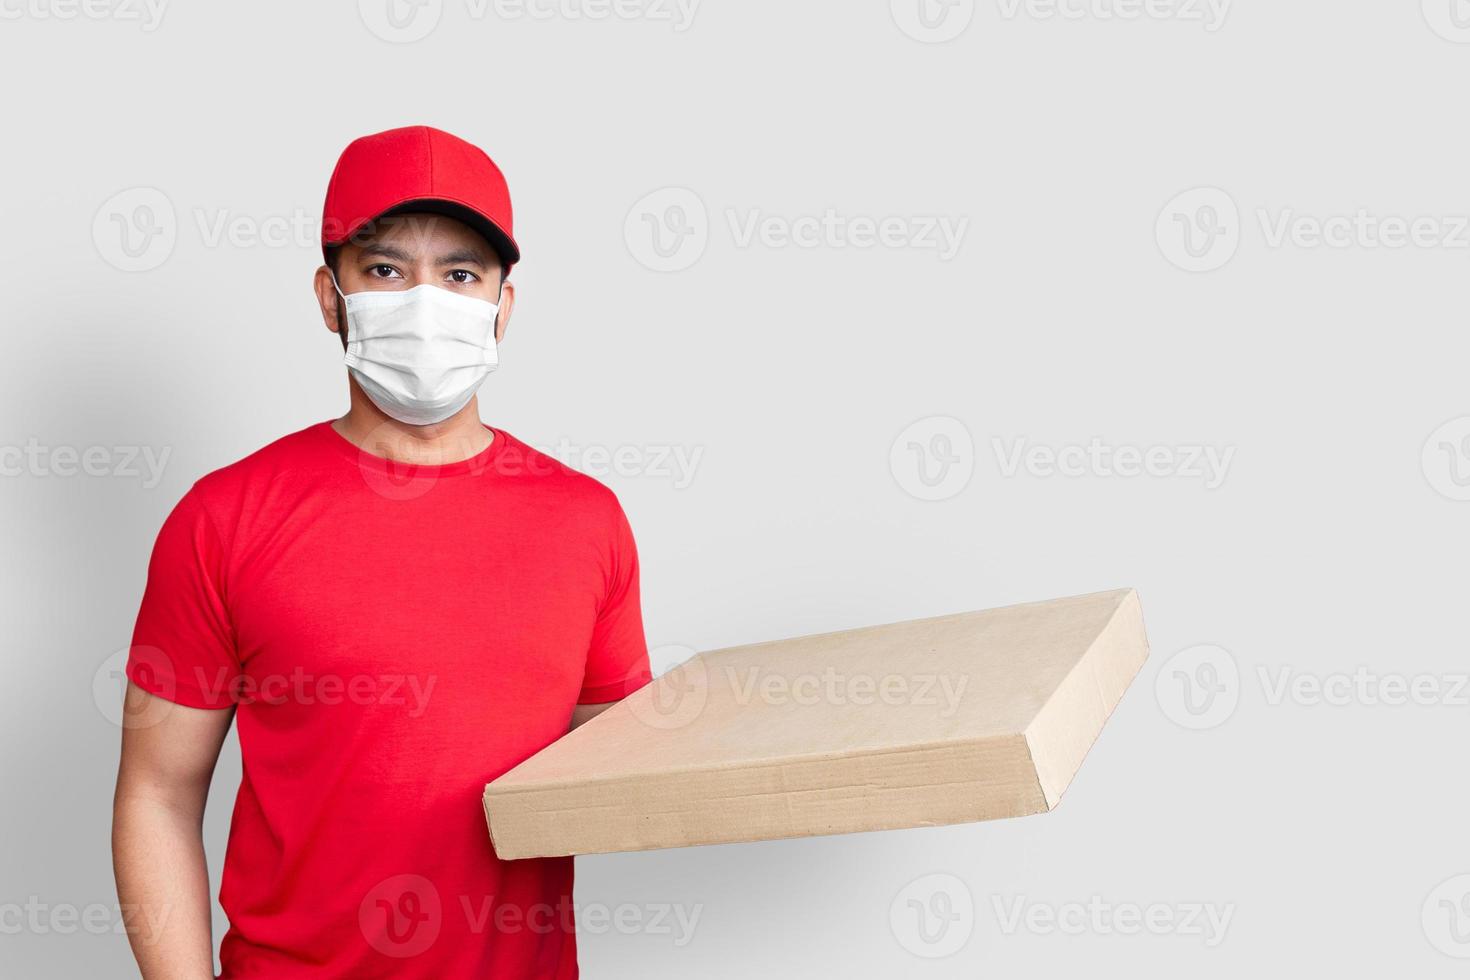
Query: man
point(397, 607)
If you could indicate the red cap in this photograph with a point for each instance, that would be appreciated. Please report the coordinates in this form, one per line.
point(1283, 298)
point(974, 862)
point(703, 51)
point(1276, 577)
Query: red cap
point(418, 168)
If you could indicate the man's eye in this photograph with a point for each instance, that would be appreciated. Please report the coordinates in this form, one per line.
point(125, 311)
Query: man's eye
point(383, 271)
point(463, 276)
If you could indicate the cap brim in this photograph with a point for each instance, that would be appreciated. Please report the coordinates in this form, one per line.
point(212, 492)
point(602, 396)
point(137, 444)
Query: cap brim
point(504, 246)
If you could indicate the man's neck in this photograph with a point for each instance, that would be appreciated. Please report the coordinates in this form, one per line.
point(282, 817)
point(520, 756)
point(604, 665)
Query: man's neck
point(459, 437)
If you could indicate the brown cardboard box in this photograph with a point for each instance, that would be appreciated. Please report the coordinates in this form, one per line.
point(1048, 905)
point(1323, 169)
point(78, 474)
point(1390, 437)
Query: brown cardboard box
point(937, 721)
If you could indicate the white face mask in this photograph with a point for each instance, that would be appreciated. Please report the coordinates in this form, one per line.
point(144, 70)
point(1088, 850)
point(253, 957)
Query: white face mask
point(420, 354)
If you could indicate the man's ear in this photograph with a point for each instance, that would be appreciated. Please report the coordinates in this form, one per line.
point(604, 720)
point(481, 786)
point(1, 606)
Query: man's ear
point(507, 303)
point(326, 297)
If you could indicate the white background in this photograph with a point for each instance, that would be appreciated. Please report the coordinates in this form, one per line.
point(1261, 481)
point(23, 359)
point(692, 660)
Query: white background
point(1087, 157)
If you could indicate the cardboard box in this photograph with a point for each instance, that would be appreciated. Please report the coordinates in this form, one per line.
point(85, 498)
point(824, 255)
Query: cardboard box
point(937, 721)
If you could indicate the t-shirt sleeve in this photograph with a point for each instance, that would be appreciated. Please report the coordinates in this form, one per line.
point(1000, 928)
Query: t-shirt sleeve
point(183, 646)
point(617, 662)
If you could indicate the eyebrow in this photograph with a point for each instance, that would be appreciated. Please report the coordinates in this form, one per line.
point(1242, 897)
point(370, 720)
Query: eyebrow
point(386, 252)
point(465, 256)
point(460, 256)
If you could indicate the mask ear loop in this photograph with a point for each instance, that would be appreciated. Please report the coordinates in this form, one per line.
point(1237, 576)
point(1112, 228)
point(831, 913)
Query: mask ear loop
point(342, 319)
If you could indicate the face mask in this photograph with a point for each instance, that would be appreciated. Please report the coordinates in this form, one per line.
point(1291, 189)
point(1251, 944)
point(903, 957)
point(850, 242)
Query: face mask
point(420, 354)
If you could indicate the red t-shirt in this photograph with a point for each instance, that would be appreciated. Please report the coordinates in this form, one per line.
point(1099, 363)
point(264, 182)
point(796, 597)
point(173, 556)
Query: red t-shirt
point(393, 637)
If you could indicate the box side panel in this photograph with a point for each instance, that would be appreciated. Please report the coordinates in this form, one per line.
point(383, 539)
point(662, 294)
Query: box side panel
point(919, 787)
point(1074, 715)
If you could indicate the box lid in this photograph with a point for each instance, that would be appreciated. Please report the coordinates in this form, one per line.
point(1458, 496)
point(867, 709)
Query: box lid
point(956, 718)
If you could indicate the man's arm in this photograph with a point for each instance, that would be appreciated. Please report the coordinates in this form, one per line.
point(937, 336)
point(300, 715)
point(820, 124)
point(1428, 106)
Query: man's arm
point(168, 757)
point(584, 713)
